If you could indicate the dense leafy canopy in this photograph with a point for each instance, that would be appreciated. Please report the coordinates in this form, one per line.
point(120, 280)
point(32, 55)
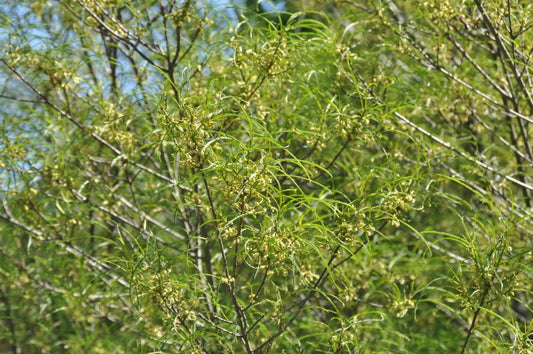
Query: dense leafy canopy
point(315, 176)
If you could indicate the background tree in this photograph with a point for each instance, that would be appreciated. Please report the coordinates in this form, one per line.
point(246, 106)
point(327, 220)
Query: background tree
point(183, 176)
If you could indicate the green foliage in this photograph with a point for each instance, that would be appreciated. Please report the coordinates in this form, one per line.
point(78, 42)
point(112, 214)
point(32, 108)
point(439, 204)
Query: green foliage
point(339, 177)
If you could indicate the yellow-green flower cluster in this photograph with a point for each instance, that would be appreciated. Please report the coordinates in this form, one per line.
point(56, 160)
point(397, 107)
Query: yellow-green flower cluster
point(352, 226)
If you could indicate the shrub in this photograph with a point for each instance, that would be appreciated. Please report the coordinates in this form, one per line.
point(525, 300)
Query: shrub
point(184, 176)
